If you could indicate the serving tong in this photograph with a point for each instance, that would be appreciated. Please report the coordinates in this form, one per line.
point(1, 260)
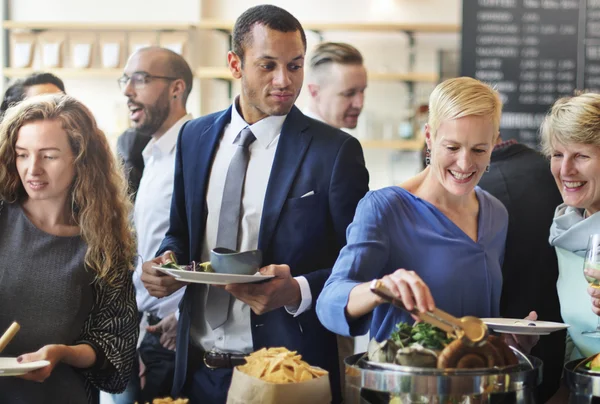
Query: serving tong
point(9, 335)
point(470, 330)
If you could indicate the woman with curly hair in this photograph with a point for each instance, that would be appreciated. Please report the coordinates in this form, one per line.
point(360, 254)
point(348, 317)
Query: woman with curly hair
point(66, 254)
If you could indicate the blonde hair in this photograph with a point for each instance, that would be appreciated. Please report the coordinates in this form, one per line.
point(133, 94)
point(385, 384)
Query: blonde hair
point(460, 97)
point(335, 52)
point(572, 120)
point(327, 53)
point(99, 200)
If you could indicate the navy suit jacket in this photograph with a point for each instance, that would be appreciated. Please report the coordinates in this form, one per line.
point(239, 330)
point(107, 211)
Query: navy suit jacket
point(305, 233)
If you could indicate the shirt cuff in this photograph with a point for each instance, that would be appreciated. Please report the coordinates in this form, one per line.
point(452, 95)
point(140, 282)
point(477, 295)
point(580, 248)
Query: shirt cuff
point(177, 313)
point(306, 298)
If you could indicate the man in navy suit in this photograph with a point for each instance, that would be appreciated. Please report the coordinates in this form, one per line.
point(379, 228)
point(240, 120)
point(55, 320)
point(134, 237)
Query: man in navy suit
point(301, 187)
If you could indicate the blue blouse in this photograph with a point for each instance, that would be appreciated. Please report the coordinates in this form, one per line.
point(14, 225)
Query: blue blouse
point(394, 229)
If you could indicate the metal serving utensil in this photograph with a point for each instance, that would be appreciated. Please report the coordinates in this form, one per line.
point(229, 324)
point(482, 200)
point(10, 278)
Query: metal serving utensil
point(471, 330)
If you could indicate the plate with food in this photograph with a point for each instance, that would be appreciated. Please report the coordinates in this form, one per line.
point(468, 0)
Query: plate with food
point(523, 327)
point(204, 273)
point(10, 366)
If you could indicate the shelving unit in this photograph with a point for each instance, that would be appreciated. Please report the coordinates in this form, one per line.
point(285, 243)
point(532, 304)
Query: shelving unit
point(227, 26)
point(415, 144)
point(68, 73)
point(93, 26)
point(409, 77)
point(222, 73)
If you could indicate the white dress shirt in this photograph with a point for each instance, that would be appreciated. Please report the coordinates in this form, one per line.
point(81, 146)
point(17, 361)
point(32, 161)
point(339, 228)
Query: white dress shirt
point(152, 213)
point(235, 335)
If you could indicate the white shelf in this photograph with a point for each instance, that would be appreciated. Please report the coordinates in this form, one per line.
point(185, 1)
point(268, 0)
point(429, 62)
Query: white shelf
point(408, 144)
point(65, 72)
point(97, 26)
point(224, 25)
point(223, 73)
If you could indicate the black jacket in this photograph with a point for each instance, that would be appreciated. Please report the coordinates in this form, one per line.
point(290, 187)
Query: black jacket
point(130, 145)
point(520, 177)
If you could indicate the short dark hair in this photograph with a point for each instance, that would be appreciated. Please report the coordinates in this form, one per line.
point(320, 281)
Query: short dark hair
point(13, 95)
point(270, 16)
point(43, 78)
point(176, 67)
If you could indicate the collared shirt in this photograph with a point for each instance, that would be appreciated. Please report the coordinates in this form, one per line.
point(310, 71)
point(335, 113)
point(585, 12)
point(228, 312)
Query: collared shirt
point(152, 213)
point(235, 334)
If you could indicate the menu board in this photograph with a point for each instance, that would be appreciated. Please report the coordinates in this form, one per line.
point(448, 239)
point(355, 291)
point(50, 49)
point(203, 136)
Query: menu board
point(533, 52)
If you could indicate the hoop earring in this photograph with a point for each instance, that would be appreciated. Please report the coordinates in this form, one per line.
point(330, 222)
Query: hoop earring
point(427, 157)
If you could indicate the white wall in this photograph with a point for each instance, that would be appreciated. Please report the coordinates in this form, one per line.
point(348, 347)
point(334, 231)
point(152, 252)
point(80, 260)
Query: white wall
point(386, 101)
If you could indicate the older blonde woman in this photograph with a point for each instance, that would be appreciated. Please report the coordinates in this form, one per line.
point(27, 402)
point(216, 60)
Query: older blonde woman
point(437, 235)
point(571, 138)
point(66, 251)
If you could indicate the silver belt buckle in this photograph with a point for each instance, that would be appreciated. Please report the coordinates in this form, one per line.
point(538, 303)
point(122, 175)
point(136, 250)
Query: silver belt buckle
point(205, 362)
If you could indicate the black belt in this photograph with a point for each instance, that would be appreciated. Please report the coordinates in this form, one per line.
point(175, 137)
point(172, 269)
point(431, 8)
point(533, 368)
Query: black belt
point(152, 319)
point(215, 360)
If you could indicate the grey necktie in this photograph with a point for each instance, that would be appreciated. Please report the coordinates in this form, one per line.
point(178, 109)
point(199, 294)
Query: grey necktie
point(229, 222)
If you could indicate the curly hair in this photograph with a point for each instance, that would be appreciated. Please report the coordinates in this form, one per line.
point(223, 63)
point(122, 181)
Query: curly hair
point(99, 202)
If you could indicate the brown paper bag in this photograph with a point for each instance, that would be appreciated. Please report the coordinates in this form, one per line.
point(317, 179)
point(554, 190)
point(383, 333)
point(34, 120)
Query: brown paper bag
point(51, 46)
point(246, 389)
point(21, 50)
point(81, 49)
point(175, 41)
point(139, 40)
point(112, 49)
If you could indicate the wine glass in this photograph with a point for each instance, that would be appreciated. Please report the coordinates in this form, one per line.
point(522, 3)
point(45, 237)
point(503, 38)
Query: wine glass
point(592, 261)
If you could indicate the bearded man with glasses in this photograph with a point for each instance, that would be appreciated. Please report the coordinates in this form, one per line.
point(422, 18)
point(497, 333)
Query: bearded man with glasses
point(157, 83)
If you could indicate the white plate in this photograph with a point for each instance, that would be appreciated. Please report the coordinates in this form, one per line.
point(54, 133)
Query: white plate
point(523, 327)
point(212, 278)
point(10, 366)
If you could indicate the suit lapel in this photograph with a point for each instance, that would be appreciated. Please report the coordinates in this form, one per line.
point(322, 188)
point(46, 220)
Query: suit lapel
point(292, 146)
point(206, 145)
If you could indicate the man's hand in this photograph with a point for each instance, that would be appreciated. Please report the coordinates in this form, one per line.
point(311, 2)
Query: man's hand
point(52, 353)
point(593, 292)
point(157, 283)
point(167, 328)
point(523, 343)
point(282, 290)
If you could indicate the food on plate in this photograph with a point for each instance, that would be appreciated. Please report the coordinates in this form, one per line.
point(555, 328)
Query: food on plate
point(279, 365)
point(424, 345)
point(168, 400)
point(193, 266)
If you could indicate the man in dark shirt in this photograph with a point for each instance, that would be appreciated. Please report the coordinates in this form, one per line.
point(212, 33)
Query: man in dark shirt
point(520, 178)
point(130, 145)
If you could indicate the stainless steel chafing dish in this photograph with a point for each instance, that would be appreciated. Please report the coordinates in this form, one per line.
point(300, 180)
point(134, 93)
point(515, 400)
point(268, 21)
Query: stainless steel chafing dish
point(375, 383)
point(583, 384)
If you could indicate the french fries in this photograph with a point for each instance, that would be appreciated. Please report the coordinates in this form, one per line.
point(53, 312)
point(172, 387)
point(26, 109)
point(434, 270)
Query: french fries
point(279, 365)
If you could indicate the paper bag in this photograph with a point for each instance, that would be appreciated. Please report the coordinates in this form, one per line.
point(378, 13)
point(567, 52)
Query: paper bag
point(247, 389)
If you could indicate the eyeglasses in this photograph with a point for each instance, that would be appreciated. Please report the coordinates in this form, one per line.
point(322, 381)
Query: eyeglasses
point(139, 80)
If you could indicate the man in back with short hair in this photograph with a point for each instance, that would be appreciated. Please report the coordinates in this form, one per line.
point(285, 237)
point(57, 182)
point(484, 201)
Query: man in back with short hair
point(42, 83)
point(337, 81)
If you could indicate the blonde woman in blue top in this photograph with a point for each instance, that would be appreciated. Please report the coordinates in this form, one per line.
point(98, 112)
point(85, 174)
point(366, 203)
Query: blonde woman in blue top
point(437, 236)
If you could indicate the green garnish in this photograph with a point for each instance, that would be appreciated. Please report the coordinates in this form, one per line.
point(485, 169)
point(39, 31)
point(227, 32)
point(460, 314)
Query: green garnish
point(424, 334)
